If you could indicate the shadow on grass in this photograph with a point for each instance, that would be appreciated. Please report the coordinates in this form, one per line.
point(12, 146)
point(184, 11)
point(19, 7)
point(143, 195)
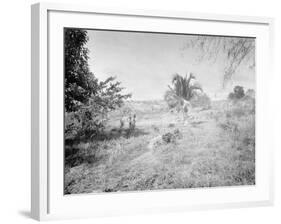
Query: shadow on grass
point(127, 133)
point(81, 151)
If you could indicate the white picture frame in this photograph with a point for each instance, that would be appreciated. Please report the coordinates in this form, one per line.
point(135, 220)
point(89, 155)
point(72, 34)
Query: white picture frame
point(47, 199)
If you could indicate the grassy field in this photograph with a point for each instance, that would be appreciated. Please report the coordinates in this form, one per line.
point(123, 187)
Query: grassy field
point(214, 147)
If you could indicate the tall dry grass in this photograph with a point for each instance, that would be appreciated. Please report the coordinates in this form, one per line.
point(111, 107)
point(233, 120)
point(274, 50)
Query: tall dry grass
point(216, 150)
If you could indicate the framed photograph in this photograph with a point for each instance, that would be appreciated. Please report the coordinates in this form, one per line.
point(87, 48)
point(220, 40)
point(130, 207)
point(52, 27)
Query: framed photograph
point(148, 111)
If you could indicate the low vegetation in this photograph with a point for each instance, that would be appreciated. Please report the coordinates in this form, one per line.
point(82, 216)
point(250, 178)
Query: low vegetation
point(88, 101)
point(184, 141)
point(215, 148)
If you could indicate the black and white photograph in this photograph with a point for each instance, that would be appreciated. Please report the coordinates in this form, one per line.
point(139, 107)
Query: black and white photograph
point(157, 111)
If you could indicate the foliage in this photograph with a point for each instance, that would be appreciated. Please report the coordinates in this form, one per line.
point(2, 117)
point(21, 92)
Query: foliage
point(200, 100)
point(132, 125)
point(218, 151)
point(89, 121)
point(238, 93)
point(238, 122)
point(171, 98)
point(79, 82)
point(182, 89)
point(87, 100)
point(172, 137)
point(250, 93)
point(235, 51)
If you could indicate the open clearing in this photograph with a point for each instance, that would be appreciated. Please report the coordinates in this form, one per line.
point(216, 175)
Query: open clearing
point(213, 147)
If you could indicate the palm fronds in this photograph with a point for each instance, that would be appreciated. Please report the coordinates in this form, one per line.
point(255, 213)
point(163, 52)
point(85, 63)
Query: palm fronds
point(182, 86)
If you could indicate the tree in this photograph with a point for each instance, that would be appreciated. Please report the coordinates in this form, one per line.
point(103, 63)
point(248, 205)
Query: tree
point(235, 50)
point(87, 100)
point(238, 93)
point(182, 86)
point(79, 82)
point(182, 89)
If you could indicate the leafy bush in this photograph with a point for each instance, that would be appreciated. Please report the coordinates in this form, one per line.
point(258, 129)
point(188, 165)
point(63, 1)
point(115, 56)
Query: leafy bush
point(90, 120)
point(171, 99)
point(238, 93)
point(171, 137)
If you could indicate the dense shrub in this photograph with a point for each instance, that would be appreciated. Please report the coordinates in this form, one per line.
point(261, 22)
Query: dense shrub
point(238, 93)
point(171, 137)
point(90, 120)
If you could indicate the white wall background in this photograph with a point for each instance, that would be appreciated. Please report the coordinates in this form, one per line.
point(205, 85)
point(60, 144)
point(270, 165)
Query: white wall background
point(15, 110)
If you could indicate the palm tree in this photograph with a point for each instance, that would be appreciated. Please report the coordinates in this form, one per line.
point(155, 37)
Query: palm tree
point(182, 86)
point(182, 90)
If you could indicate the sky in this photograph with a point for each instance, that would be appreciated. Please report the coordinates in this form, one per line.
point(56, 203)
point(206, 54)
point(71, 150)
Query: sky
point(145, 62)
